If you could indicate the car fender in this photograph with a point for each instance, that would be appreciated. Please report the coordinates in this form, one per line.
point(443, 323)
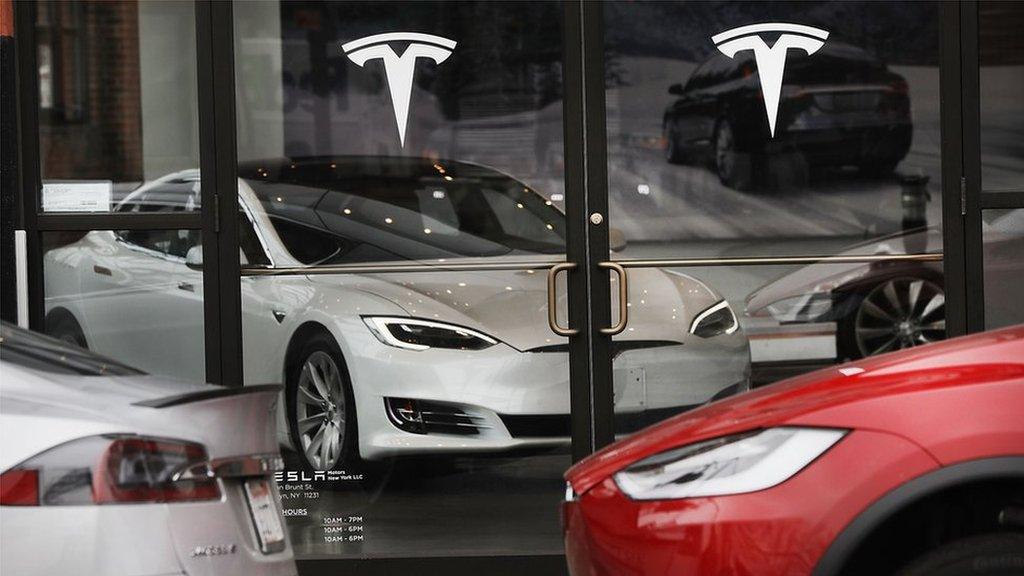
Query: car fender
point(842, 548)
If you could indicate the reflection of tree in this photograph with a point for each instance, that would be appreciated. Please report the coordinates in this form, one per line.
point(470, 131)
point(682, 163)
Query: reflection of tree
point(896, 32)
point(509, 58)
point(509, 53)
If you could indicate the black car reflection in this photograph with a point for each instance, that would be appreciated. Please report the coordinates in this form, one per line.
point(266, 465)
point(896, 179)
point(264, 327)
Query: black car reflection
point(838, 107)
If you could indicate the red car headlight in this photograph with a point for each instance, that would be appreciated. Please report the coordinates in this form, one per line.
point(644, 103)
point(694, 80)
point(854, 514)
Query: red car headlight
point(733, 464)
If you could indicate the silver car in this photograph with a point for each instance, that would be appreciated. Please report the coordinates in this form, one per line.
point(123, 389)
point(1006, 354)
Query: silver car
point(109, 471)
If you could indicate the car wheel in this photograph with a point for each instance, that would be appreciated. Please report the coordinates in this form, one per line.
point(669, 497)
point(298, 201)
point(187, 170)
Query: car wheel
point(62, 325)
point(734, 169)
point(989, 555)
point(899, 313)
point(673, 151)
point(321, 408)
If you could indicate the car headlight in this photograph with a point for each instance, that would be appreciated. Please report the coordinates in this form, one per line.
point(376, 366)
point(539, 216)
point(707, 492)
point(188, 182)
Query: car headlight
point(416, 334)
point(728, 465)
point(802, 308)
point(716, 320)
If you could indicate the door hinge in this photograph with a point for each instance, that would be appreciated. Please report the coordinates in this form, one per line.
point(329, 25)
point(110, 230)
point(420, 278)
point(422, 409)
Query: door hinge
point(216, 213)
point(963, 196)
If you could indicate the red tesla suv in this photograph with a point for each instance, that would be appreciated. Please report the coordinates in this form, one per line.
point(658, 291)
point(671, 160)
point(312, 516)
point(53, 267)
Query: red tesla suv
point(908, 463)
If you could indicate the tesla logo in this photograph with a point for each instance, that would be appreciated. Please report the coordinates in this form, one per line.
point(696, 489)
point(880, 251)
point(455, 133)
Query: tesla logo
point(771, 61)
point(399, 69)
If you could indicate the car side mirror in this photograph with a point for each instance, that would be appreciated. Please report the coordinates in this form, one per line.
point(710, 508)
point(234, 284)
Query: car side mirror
point(616, 240)
point(194, 257)
point(676, 89)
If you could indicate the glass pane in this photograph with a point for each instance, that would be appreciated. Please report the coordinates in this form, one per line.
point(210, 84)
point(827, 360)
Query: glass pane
point(753, 129)
point(130, 295)
point(427, 411)
point(1001, 55)
point(1003, 237)
point(710, 152)
point(117, 99)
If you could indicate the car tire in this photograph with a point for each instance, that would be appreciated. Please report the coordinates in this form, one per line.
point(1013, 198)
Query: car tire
point(734, 169)
point(879, 168)
point(988, 555)
point(63, 326)
point(673, 151)
point(320, 403)
point(861, 329)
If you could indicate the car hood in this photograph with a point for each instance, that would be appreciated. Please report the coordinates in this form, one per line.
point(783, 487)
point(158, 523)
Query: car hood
point(512, 305)
point(872, 393)
point(825, 277)
point(42, 409)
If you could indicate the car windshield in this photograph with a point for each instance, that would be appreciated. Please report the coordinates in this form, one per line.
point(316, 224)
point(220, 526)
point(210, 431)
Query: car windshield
point(355, 209)
point(37, 352)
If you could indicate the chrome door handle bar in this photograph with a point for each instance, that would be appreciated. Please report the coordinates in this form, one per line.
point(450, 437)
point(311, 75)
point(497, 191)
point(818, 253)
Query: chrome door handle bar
point(553, 301)
point(623, 298)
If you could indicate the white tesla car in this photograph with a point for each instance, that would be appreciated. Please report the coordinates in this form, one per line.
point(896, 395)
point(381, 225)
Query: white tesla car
point(107, 471)
point(390, 363)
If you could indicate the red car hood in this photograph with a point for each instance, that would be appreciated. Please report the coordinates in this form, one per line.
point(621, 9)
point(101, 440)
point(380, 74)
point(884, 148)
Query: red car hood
point(822, 398)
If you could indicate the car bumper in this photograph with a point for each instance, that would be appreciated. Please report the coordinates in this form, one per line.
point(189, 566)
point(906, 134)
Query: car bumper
point(139, 540)
point(781, 530)
point(847, 142)
point(518, 400)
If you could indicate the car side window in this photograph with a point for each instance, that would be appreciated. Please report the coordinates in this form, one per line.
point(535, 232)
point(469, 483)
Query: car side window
point(699, 77)
point(307, 244)
point(250, 243)
point(179, 195)
point(170, 242)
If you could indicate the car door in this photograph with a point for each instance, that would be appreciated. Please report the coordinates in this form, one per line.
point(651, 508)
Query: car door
point(143, 302)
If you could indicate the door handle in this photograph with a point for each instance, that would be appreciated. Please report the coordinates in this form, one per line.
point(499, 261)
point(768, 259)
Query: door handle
point(553, 301)
point(102, 270)
point(186, 286)
point(623, 298)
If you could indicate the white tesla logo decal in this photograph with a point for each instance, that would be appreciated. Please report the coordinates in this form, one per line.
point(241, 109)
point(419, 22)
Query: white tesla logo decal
point(399, 69)
point(771, 61)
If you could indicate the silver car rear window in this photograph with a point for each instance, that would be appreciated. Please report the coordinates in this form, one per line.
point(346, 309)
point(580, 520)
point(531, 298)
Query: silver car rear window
point(38, 352)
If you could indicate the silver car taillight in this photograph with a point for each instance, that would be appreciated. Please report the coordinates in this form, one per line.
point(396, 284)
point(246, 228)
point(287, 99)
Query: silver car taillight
point(110, 469)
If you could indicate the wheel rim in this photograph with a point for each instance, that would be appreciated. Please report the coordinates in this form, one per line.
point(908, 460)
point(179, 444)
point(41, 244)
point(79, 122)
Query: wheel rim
point(900, 313)
point(723, 151)
point(320, 411)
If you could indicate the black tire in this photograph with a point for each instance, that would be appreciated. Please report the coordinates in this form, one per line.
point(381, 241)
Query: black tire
point(987, 555)
point(880, 168)
point(62, 325)
point(321, 345)
point(673, 151)
point(735, 169)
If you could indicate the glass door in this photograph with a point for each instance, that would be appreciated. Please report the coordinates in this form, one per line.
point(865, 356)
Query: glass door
point(112, 204)
point(774, 192)
point(401, 194)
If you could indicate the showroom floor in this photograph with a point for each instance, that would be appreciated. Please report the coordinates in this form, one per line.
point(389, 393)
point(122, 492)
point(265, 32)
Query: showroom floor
point(440, 506)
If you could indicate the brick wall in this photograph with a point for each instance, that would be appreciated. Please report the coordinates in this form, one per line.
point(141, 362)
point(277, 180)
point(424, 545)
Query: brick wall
point(94, 130)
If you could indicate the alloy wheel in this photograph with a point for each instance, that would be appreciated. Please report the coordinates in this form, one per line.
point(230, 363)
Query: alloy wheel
point(320, 411)
point(900, 313)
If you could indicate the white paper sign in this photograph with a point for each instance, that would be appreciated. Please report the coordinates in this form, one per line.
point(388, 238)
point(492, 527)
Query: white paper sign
point(77, 196)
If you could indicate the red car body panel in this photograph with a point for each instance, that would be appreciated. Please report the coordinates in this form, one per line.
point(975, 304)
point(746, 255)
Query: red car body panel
point(909, 413)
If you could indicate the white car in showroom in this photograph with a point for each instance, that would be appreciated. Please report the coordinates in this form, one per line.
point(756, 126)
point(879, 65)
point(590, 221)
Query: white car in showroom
point(377, 361)
point(108, 471)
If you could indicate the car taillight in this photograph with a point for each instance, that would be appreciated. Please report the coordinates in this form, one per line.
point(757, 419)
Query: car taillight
point(899, 85)
point(19, 488)
point(113, 469)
